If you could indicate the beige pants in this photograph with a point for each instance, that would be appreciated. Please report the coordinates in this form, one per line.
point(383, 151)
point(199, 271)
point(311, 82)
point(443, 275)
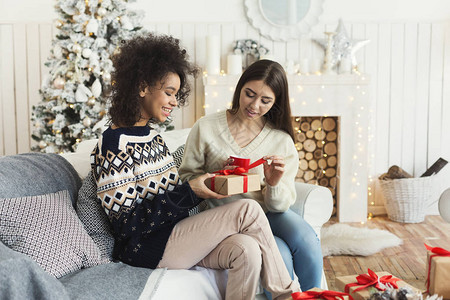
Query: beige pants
point(237, 237)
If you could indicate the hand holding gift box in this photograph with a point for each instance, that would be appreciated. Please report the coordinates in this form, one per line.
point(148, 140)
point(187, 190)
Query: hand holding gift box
point(438, 271)
point(316, 293)
point(358, 285)
point(236, 181)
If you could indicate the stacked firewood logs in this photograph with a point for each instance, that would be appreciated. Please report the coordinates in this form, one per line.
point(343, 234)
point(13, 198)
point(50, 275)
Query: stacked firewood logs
point(316, 139)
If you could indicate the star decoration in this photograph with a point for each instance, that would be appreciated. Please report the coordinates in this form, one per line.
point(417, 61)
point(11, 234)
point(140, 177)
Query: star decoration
point(342, 46)
point(357, 44)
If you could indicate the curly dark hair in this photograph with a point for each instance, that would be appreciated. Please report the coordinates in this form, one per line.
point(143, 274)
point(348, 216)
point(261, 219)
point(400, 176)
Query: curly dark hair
point(145, 61)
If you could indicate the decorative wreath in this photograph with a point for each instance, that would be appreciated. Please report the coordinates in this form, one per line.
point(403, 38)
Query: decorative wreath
point(248, 47)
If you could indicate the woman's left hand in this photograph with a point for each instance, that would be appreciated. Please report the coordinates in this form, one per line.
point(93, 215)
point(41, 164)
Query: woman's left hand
point(273, 171)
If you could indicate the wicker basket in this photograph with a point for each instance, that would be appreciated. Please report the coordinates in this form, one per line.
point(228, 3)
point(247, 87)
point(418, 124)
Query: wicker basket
point(407, 199)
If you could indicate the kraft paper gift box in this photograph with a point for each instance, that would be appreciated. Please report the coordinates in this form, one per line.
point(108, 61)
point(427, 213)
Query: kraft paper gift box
point(342, 281)
point(438, 275)
point(234, 184)
point(316, 293)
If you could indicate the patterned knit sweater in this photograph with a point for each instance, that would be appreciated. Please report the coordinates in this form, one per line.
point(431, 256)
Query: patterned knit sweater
point(140, 190)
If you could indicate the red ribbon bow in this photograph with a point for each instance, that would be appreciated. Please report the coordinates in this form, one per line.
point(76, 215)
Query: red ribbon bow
point(237, 171)
point(437, 251)
point(372, 279)
point(327, 295)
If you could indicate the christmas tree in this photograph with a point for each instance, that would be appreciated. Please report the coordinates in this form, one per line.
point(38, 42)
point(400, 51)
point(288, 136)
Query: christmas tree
point(75, 92)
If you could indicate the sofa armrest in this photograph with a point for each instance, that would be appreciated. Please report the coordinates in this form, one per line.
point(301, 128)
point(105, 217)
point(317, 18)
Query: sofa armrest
point(22, 278)
point(314, 203)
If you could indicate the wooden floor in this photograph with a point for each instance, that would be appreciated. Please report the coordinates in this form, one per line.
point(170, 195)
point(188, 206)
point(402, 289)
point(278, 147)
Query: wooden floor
point(407, 261)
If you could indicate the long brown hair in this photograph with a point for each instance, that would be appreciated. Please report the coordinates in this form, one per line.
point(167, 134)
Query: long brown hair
point(274, 76)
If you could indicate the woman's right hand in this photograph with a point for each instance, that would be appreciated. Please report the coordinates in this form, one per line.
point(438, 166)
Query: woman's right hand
point(201, 190)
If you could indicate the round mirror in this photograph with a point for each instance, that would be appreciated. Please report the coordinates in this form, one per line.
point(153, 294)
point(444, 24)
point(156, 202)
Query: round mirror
point(282, 20)
point(285, 12)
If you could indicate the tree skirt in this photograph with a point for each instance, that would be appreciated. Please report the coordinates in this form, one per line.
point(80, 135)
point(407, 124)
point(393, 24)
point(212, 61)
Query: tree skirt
point(343, 239)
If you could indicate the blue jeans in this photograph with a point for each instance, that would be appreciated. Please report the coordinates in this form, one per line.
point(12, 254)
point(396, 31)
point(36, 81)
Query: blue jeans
point(299, 247)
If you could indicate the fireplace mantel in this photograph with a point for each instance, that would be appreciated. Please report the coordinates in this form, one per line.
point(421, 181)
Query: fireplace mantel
point(344, 96)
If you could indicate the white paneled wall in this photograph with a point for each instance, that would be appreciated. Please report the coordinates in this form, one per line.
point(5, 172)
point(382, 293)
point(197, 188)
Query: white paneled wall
point(408, 63)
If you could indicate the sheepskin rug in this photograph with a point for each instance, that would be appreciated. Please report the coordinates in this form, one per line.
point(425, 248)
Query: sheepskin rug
point(343, 239)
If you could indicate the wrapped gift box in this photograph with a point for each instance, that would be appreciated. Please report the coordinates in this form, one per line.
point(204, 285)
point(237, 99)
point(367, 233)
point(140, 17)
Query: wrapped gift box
point(234, 184)
point(439, 275)
point(342, 281)
point(312, 294)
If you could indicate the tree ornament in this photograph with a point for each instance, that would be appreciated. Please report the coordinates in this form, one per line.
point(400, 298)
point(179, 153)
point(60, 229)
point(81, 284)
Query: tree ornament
point(106, 76)
point(58, 24)
point(86, 52)
point(91, 101)
point(42, 144)
point(87, 122)
point(92, 26)
point(126, 24)
point(101, 11)
point(57, 51)
point(69, 74)
point(82, 94)
point(96, 88)
point(58, 83)
point(76, 48)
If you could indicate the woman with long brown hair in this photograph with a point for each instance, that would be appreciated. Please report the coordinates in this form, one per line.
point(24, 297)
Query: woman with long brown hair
point(259, 125)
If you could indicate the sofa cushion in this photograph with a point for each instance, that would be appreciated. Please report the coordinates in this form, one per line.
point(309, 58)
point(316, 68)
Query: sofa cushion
point(178, 156)
point(93, 217)
point(47, 229)
point(175, 138)
point(108, 281)
point(51, 173)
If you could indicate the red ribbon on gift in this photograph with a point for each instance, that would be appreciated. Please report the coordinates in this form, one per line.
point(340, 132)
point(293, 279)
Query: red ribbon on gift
point(327, 295)
point(237, 171)
point(437, 251)
point(372, 279)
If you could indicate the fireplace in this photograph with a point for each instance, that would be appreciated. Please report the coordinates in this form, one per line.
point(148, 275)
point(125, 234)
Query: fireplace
point(342, 99)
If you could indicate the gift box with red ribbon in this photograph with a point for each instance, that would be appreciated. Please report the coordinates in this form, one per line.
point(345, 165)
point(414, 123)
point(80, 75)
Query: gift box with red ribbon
point(358, 285)
point(234, 184)
point(316, 293)
point(438, 271)
point(236, 181)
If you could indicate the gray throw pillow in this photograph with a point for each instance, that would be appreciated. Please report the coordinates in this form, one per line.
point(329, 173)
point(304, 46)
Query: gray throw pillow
point(94, 219)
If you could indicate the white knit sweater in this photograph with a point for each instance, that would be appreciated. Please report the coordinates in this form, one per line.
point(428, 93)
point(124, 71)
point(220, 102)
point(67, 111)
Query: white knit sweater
point(210, 143)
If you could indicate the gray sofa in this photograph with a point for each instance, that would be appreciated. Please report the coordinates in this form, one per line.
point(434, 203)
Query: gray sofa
point(21, 277)
point(24, 178)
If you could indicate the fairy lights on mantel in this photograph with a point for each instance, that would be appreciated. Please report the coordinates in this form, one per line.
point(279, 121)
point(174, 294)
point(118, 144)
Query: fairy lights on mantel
point(345, 96)
point(342, 79)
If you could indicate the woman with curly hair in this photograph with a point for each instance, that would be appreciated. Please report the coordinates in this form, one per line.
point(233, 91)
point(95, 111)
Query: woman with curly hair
point(151, 211)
